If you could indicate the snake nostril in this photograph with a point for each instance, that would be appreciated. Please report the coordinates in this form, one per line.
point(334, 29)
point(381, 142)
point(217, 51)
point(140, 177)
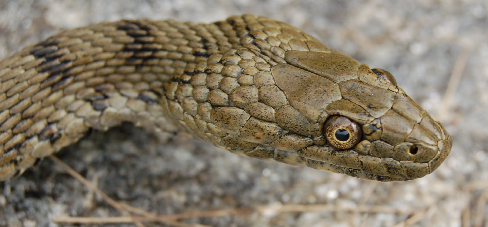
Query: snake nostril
point(413, 150)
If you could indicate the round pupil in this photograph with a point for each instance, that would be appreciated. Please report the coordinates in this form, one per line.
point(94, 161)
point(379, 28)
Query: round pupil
point(342, 134)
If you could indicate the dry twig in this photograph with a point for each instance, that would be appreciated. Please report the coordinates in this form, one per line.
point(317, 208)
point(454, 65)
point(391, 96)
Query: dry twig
point(456, 74)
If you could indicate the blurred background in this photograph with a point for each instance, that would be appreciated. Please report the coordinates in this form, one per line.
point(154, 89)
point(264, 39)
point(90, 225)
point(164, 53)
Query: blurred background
point(423, 43)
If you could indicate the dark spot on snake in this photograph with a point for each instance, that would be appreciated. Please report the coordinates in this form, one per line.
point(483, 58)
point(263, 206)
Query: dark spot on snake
point(148, 98)
point(127, 26)
point(137, 33)
point(9, 151)
point(17, 146)
point(204, 41)
point(55, 136)
point(151, 61)
point(383, 178)
point(99, 105)
point(53, 78)
point(49, 42)
point(157, 93)
point(132, 46)
point(143, 54)
point(37, 162)
point(385, 75)
point(352, 172)
point(140, 52)
point(56, 68)
point(145, 40)
point(54, 56)
point(372, 107)
point(39, 53)
point(46, 65)
point(96, 97)
point(17, 172)
point(47, 132)
point(89, 131)
point(371, 128)
point(133, 61)
point(200, 53)
point(231, 21)
point(104, 87)
point(185, 81)
point(209, 45)
point(143, 26)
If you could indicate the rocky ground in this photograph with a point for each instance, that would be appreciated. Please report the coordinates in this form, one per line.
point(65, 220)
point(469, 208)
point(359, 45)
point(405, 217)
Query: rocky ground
point(420, 42)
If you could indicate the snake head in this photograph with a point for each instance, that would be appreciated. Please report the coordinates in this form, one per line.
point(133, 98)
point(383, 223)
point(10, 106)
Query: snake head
point(344, 117)
point(397, 142)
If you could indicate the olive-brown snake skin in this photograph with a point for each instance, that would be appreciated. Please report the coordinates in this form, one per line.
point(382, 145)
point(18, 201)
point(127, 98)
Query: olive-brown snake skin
point(251, 85)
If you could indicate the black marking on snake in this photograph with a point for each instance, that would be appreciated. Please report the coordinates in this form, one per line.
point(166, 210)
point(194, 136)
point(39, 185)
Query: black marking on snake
point(231, 21)
point(148, 99)
point(56, 68)
point(133, 61)
point(52, 79)
point(210, 45)
point(89, 132)
point(138, 30)
point(157, 93)
point(40, 53)
point(183, 81)
point(96, 97)
point(151, 61)
point(37, 162)
point(97, 105)
point(127, 25)
point(17, 172)
point(47, 131)
point(55, 136)
point(189, 73)
point(57, 77)
point(199, 53)
point(204, 41)
point(138, 67)
point(104, 87)
point(144, 27)
point(17, 146)
point(45, 64)
point(52, 41)
point(137, 33)
point(133, 46)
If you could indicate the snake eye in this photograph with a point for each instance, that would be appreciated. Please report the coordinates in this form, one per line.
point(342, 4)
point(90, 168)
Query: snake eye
point(385, 75)
point(341, 132)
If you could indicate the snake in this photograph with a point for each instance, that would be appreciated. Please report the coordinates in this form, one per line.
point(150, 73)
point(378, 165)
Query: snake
point(251, 85)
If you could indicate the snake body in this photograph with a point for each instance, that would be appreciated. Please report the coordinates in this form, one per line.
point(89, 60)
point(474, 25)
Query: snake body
point(254, 86)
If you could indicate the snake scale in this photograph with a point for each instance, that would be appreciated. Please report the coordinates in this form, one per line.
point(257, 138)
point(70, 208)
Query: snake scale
point(251, 85)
